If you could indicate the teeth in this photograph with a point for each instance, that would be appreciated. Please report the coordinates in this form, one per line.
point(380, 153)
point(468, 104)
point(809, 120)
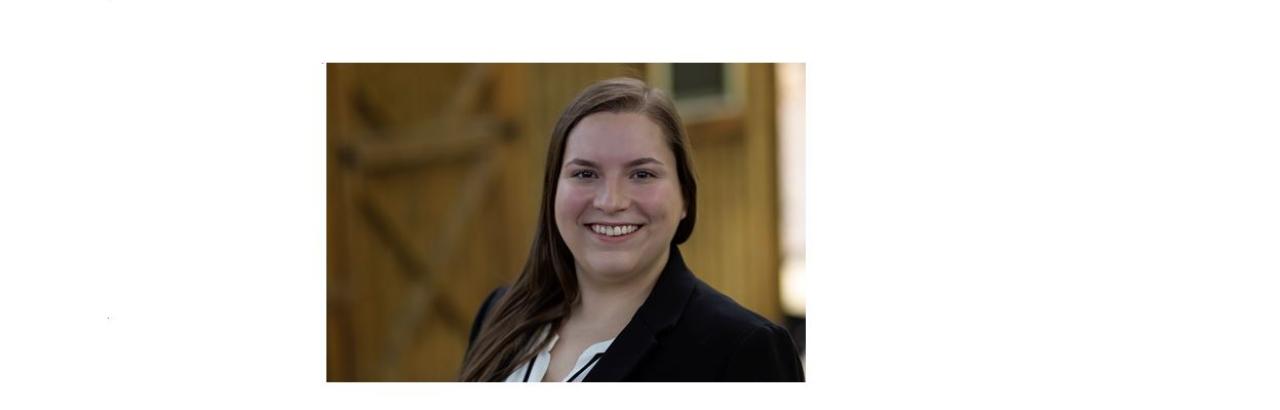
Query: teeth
point(614, 230)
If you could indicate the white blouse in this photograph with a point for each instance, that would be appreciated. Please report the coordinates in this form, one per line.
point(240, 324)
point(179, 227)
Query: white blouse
point(536, 368)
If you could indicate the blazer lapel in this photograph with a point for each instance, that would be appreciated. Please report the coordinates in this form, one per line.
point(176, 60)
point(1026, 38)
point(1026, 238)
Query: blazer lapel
point(660, 310)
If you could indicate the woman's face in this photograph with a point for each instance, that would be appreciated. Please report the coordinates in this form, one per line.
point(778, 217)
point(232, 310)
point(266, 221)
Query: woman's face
point(618, 199)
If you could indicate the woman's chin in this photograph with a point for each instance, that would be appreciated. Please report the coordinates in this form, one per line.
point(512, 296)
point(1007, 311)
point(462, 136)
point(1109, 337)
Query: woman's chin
point(611, 268)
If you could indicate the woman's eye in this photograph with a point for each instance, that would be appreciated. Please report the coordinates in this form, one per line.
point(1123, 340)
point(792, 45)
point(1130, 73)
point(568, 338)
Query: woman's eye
point(583, 173)
point(643, 174)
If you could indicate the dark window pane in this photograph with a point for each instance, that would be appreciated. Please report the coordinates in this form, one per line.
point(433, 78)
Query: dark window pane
point(693, 80)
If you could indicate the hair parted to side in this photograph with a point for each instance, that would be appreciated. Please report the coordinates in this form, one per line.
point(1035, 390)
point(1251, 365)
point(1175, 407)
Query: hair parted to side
point(547, 285)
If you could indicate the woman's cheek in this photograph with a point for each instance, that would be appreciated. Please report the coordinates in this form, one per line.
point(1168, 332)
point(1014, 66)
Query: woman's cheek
point(654, 199)
point(571, 202)
point(575, 197)
point(564, 204)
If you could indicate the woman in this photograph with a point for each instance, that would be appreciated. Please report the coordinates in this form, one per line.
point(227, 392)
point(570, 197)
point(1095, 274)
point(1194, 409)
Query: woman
point(605, 294)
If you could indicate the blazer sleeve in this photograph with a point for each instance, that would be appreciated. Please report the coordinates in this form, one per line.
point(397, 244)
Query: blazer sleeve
point(489, 302)
point(766, 354)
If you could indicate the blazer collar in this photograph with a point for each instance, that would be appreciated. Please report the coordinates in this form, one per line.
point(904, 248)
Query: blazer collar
point(660, 311)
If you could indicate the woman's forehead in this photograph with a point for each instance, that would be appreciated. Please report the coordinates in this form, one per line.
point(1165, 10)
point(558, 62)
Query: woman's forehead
point(616, 138)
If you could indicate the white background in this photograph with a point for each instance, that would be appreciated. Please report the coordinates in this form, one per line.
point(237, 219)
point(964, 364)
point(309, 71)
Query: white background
point(1067, 205)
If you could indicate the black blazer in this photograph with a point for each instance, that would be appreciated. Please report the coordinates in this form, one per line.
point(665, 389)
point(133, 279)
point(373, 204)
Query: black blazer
point(687, 331)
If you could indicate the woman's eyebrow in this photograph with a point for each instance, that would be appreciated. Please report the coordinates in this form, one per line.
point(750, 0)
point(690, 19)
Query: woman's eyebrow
point(645, 160)
point(629, 164)
point(583, 162)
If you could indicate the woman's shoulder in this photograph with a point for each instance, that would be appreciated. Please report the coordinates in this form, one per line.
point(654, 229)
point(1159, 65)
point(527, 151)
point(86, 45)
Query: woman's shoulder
point(749, 346)
point(709, 310)
point(736, 343)
point(483, 312)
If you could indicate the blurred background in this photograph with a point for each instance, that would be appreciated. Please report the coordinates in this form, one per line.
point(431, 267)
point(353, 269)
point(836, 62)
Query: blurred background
point(434, 175)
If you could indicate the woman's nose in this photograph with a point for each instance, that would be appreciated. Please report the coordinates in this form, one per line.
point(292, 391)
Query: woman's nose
point(612, 197)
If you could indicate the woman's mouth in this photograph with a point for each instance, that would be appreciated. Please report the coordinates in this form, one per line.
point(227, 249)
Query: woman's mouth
point(614, 233)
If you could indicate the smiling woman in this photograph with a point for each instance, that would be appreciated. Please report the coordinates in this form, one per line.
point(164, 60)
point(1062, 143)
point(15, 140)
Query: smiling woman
point(605, 294)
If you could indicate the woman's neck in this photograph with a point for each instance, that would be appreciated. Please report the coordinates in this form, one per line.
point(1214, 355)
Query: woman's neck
point(608, 306)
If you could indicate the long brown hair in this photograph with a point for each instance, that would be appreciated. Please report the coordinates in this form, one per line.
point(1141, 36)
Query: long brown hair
point(548, 285)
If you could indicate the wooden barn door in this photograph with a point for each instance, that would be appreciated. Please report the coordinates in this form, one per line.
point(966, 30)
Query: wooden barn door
point(414, 155)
